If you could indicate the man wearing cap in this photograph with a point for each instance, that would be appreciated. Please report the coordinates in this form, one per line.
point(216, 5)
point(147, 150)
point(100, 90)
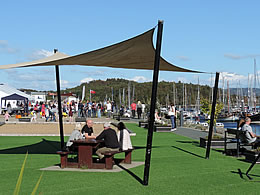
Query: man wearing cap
point(110, 140)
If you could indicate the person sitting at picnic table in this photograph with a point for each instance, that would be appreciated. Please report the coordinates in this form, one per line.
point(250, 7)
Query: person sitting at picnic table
point(75, 135)
point(87, 130)
point(123, 137)
point(157, 118)
point(110, 141)
point(249, 136)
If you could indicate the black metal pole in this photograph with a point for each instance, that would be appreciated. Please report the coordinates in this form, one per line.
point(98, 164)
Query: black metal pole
point(59, 105)
point(212, 115)
point(252, 165)
point(153, 102)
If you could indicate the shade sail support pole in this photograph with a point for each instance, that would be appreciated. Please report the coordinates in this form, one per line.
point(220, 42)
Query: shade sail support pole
point(153, 102)
point(59, 105)
point(212, 115)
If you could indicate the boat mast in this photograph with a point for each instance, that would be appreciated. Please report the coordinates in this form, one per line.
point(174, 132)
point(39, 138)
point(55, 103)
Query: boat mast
point(120, 102)
point(223, 93)
point(251, 94)
point(183, 101)
point(129, 94)
point(228, 95)
point(248, 93)
point(124, 97)
point(185, 96)
point(198, 98)
point(173, 92)
point(255, 84)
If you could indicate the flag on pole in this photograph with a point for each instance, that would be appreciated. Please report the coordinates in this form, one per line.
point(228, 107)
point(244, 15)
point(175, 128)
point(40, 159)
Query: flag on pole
point(92, 91)
point(83, 92)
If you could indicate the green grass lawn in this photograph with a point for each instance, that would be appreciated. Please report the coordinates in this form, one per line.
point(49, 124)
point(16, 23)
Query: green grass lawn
point(178, 166)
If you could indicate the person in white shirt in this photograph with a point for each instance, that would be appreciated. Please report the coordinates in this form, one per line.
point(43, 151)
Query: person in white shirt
point(123, 137)
point(109, 108)
point(249, 137)
point(171, 113)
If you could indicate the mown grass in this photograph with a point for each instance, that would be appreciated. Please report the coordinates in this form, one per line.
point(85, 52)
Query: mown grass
point(177, 167)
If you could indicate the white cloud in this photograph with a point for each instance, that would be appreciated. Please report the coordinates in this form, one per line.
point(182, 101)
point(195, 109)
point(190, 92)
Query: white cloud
point(5, 48)
point(86, 80)
point(238, 57)
point(184, 58)
point(140, 79)
point(64, 84)
point(234, 80)
point(38, 54)
point(94, 73)
point(3, 43)
point(232, 76)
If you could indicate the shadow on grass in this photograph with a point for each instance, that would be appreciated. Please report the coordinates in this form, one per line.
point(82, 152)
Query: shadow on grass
point(188, 152)
point(144, 147)
point(242, 174)
point(43, 147)
point(131, 173)
point(189, 142)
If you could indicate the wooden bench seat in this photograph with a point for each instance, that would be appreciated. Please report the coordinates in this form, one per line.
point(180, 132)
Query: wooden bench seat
point(63, 158)
point(235, 139)
point(143, 123)
point(65, 161)
point(109, 158)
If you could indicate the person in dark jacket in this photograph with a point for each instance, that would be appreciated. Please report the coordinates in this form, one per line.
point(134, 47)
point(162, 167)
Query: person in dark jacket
point(110, 141)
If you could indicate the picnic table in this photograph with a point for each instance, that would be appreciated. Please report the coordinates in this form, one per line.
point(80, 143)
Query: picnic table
point(85, 160)
point(85, 152)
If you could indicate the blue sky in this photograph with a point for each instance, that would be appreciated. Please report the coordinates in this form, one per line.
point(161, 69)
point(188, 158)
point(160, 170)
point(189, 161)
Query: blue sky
point(200, 35)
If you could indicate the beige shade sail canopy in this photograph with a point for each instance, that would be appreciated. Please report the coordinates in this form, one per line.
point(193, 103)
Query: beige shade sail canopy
point(134, 53)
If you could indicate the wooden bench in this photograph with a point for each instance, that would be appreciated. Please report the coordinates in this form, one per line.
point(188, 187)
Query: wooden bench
point(63, 158)
point(143, 123)
point(116, 116)
point(24, 119)
point(109, 158)
point(235, 139)
point(80, 119)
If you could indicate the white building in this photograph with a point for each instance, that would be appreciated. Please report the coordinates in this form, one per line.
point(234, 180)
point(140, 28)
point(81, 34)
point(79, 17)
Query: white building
point(6, 90)
point(39, 97)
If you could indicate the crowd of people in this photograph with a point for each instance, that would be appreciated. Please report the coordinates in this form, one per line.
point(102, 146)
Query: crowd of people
point(88, 109)
point(92, 109)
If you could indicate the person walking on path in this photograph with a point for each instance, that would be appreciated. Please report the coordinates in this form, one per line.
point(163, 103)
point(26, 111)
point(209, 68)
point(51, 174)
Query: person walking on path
point(7, 115)
point(133, 108)
point(171, 113)
point(70, 114)
point(139, 109)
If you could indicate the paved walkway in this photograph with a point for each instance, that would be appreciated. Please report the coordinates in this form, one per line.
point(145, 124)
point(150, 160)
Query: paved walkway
point(192, 133)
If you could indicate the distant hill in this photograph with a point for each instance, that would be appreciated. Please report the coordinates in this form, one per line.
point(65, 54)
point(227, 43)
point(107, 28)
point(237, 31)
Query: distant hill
point(234, 91)
point(142, 91)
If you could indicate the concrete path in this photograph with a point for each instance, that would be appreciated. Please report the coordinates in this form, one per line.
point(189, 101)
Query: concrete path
point(192, 133)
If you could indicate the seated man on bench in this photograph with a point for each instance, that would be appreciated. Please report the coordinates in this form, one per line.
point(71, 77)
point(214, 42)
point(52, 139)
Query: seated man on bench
point(110, 140)
point(249, 137)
